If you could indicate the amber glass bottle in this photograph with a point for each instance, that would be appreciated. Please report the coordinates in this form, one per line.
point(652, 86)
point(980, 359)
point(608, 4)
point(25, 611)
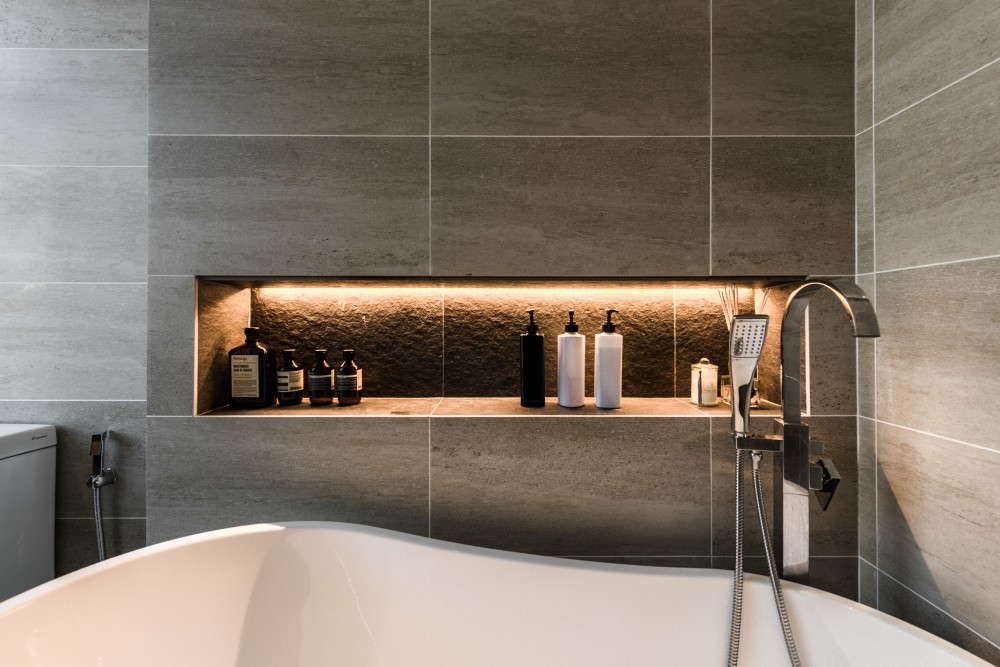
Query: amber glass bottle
point(248, 381)
point(348, 381)
point(321, 381)
point(291, 380)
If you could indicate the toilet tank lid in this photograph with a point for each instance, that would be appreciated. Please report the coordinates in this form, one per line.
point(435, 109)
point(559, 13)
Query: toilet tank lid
point(23, 438)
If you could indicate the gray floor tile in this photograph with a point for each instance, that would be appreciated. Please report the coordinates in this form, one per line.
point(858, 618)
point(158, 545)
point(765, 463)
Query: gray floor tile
point(64, 107)
point(310, 67)
point(528, 206)
point(937, 177)
point(251, 206)
point(544, 69)
point(585, 487)
point(69, 341)
point(782, 67)
point(783, 206)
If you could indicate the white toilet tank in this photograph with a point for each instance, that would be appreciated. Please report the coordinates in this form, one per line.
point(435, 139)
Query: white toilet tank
point(27, 506)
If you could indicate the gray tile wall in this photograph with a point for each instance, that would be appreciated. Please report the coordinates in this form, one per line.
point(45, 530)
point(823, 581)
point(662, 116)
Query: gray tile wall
point(73, 275)
point(928, 242)
point(494, 141)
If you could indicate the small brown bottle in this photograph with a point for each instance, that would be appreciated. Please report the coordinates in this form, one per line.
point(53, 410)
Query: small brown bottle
point(348, 381)
point(321, 381)
point(248, 366)
point(291, 380)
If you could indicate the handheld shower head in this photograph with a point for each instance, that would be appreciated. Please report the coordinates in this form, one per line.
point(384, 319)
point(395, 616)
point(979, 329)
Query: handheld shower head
point(746, 341)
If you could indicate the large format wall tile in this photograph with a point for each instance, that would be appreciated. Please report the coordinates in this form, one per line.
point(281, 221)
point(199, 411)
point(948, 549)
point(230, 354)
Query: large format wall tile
point(288, 206)
point(939, 523)
point(74, 24)
point(310, 67)
point(482, 332)
point(832, 367)
point(938, 178)
point(65, 107)
point(570, 207)
point(864, 205)
point(586, 67)
point(921, 47)
point(783, 206)
point(75, 422)
point(863, 108)
point(76, 541)
point(205, 474)
point(171, 344)
point(68, 224)
point(867, 480)
point(902, 603)
point(73, 341)
point(938, 366)
point(573, 487)
point(782, 67)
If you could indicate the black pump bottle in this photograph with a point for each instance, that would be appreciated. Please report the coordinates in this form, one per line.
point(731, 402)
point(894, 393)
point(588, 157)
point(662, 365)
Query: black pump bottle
point(532, 365)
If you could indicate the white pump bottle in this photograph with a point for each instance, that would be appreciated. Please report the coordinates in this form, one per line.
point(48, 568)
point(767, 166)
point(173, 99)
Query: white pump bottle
point(572, 365)
point(608, 366)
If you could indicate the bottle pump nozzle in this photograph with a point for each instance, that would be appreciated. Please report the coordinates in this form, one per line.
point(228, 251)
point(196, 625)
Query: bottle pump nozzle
point(571, 326)
point(608, 327)
point(532, 327)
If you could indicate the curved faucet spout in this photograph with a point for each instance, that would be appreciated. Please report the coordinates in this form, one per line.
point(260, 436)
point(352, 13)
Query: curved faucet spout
point(859, 309)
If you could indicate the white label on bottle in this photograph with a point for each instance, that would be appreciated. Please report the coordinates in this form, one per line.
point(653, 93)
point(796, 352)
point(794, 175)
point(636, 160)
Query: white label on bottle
point(320, 382)
point(350, 382)
point(291, 380)
point(245, 375)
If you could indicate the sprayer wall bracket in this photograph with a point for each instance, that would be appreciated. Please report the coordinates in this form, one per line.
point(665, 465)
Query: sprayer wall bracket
point(760, 443)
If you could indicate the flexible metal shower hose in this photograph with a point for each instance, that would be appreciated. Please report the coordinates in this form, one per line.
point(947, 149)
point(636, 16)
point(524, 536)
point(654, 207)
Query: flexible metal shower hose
point(772, 568)
point(737, 619)
point(99, 523)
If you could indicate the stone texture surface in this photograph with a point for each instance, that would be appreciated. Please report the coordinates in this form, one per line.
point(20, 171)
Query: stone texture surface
point(258, 469)
point(863, 107)
point(223, 314)
point(253, 206)
point(75, 422)
point(482, 331)
point(937, 356)
point(170, 351)
point(921, 47)
point(783, 206)
point(76, 541)
point(68, 341)
point(65, 224)
point(75, 24)
point(582, 487)
point(395, 331)
point(937, 176)
point(864, 211)
point(782, 67)
point(310, 67)
point(702, 332)
point(939, 523)
point(900, 602)
point(68, 107)
point(539, 207)
point(570, 68)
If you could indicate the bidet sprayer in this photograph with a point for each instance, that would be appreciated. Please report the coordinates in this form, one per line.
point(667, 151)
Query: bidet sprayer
point(746, 341)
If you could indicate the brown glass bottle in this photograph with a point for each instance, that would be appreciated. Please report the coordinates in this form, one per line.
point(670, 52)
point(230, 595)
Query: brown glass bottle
point(248, 377)
point(291, 380)
point(321, 381)
point(348, 381)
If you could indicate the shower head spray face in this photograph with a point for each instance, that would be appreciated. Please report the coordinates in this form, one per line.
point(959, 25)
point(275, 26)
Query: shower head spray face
point(746, 342)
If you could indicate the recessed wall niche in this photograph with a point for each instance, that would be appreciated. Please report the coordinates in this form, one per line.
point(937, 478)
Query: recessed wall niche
point(460, 339)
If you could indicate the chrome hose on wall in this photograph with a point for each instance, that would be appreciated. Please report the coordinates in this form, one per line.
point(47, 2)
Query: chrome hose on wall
point(99, 478)
point(98, 523)
point(772, 568)
point(734, 629)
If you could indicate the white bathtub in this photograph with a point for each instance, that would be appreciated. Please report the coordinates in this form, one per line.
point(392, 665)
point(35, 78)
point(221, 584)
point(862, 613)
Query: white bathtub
point(339, 594)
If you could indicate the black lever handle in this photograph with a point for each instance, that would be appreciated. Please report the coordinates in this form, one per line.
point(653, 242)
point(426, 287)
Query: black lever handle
point(823, 480)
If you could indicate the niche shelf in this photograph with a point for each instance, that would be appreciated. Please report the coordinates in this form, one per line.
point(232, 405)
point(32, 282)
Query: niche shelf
point(449, 347)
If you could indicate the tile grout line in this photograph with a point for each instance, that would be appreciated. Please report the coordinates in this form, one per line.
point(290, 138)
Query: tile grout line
point(934, 264)
point(935, 435)
point(523, 136)
point(927, 97)
point(874, 298)
point(54, 48)
point(943, 611)
point(74, 166)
